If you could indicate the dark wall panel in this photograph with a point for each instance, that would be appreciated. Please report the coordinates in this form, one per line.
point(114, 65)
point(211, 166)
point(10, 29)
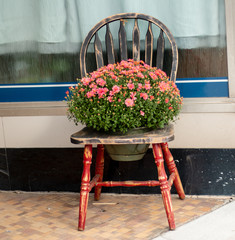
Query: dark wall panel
point(203, 171)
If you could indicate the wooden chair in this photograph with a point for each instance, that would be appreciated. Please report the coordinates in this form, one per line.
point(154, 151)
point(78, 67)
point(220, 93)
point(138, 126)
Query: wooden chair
point(158, 138)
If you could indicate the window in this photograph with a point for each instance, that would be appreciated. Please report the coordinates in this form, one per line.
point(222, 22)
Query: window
point(40, 42)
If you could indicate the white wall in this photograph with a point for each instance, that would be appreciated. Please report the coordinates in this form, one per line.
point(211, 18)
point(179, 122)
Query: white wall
point(37, 131)
point(2, 142)
point(205, 130)
point(192, 130)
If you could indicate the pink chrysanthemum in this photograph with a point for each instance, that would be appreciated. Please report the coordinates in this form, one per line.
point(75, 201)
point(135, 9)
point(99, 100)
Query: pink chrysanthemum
point(86, 81)
point(131, 86)
point(101, 82)
point(144, 96)
point(129, 102)
point(116, 89)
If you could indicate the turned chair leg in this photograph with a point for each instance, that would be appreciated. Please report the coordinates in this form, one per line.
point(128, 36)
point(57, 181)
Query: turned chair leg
point(172, 168)
point(164, 186)
point(84, 194)
point(99, 169)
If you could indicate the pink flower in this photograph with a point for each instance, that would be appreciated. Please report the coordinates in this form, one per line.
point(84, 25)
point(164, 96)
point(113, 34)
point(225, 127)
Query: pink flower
point(119, 100)
point(94, 90)
point(160, 73)
point(142, 113)
point(140, 75)
point(152, 75)
point(144, 96)
point(101, 92)
point(100, 82)
point(116, 89)
point(166, 100)
point(92, 85)
point(86, 81)
point(125, 64)
point(132, 95)
point(164, 86)
point(110, 67)
point(129, 102)
point(112, 75)
point(147, 86)
point(90, 94)
point(110, 99)
point(95, 75)
point(147, 66)
point(131, 86)
point(139, 86)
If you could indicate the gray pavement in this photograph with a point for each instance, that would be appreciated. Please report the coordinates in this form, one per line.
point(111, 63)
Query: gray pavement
point(217, 225)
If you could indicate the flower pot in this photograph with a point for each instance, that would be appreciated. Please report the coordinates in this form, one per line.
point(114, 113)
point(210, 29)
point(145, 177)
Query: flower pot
point(127, 152)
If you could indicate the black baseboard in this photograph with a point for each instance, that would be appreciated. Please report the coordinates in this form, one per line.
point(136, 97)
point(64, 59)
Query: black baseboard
point(202, 171)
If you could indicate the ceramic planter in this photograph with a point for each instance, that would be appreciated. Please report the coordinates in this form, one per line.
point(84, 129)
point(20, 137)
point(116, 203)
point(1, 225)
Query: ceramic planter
point(128, 152)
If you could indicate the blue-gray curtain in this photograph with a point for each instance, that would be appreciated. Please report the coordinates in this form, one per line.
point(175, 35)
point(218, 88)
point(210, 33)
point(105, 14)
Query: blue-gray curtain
point(59, 26)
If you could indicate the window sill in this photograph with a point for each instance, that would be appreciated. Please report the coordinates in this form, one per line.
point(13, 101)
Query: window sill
point(190, 105)
point(208, 105)
point(33, 109)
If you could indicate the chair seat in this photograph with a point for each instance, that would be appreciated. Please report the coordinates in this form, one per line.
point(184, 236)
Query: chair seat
point(89, 136)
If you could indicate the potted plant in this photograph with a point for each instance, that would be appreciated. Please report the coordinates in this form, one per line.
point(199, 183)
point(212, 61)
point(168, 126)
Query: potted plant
point(124, 96)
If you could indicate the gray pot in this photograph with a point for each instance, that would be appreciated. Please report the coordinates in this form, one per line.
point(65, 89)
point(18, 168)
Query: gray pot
point(127, 152)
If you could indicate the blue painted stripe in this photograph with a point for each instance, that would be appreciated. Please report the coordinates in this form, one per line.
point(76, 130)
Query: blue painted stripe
point(189, 88)
point(206, 79)
point(197, 90)
point(34, 92)
point(31, 85)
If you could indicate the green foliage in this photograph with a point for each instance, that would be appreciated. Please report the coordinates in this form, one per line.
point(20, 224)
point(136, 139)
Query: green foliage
point(123, 96)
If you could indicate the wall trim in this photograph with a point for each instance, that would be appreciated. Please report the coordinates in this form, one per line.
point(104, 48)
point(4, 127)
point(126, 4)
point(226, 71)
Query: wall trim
point(190, 105)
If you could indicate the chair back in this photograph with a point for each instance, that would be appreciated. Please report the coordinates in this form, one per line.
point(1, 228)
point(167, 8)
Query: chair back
point(152, 56)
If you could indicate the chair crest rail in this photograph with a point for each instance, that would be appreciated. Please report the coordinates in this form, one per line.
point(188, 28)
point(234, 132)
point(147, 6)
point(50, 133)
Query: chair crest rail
point(122, 38)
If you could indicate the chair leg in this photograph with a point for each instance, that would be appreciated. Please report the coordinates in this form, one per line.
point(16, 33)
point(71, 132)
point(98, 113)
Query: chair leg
point(172, 168)
point(99, 169)
point(165, 189)
point(84, 194)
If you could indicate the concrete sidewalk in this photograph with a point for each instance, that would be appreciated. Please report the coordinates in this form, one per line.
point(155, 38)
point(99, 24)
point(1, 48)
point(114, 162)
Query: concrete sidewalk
point(217, 225)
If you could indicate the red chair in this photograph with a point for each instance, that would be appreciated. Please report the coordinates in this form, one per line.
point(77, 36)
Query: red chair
point(158, 138)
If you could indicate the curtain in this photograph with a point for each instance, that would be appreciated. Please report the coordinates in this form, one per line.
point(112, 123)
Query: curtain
point(59, 26)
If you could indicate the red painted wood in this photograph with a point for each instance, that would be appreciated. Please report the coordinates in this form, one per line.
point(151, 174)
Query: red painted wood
point(150, 183)
point(94, 181)
point(99, 169)
point(172, 168)
point(84, 194)
point(165, 189)
point(97, 181)
point(171, 179)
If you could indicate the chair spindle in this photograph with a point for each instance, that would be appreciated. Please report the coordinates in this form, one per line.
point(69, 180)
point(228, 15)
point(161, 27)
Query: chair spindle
point(98, 51)
point(122, 41)
point(149, 45)
point(136, 41)
point(160, 50)
point(109, 45)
